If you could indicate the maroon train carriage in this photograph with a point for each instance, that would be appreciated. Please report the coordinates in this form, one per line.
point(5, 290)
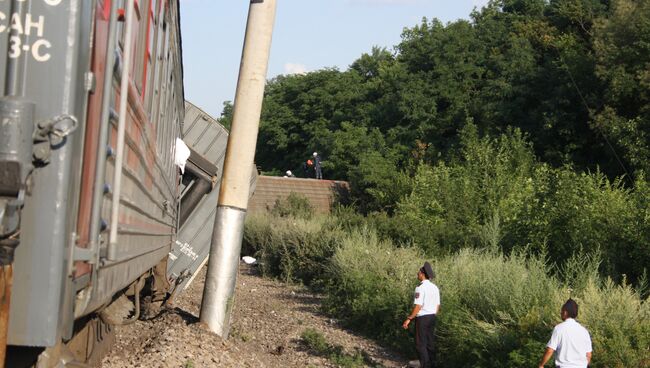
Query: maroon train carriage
point(76, 272)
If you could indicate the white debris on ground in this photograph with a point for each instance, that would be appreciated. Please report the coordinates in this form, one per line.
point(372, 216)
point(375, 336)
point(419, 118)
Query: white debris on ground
point(268, 319)
point(249, 260)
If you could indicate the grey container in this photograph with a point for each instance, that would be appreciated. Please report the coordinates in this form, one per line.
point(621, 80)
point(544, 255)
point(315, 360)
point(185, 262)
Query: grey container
point(208, 140)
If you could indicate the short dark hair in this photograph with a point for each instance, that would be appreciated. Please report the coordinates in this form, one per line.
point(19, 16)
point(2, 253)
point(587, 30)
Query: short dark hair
point(571, 307)
point(424, 273)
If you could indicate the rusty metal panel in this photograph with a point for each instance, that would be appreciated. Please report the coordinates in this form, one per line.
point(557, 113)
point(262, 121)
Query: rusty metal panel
point(117, 276)
point(321, 193)
point(147, 221)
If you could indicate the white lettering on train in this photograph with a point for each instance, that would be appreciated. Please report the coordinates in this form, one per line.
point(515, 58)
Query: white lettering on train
point(36, 47)
point(188, 250)
point(38, 25)
point(29, 26)
point(16, 24)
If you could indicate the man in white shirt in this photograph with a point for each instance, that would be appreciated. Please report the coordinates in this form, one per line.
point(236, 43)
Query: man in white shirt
point(570, 341)
point(425, 308)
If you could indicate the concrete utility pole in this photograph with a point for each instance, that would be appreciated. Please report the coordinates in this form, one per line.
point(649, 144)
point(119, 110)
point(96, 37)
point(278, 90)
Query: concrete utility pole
point(219, 289)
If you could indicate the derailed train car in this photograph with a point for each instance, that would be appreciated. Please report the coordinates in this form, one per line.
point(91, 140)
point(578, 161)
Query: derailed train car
point(207, 140)
point(60, 82)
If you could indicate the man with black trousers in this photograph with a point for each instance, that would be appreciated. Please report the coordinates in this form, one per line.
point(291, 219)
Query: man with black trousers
point(426, 306)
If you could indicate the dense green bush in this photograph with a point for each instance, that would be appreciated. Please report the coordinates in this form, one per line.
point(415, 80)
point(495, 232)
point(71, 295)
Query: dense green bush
point(371, 284)
point(497, 311)
point(456, 204)
point(494, 194)
point(294, 205)
point(619, 322)
point(289, 248)
point(586, 213)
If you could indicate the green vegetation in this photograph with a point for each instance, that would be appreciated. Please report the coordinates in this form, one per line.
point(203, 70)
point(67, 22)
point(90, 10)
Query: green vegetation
point(527, 126)
point(498, 311)
point(315, 341)
point(512, 150)
point(572, 75)
point(494, 194)
point(291, 248)
point(294, 205)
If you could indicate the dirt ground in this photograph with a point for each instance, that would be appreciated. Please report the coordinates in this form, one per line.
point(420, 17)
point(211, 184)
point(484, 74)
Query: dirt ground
point(268, 320)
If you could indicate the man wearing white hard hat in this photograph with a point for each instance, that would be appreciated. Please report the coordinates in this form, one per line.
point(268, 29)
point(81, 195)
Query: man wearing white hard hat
point(317, 167)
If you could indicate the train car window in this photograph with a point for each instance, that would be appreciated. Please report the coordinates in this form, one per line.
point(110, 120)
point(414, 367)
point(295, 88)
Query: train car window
point(120, 26)
point(172, 136)
point(121, 30)
point(140, 52)
point(150, 58)
point(164, 124)
point(170, 114)
point(160, 123)
point(160, 34)
point(135, 41)
point(164, 105)
point(161, 79)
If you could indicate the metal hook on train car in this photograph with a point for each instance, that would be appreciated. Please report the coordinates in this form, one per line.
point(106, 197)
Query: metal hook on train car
point(50, 134)
point(54, 126)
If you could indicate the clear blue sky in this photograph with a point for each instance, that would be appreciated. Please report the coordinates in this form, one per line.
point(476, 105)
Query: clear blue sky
point(308, 35)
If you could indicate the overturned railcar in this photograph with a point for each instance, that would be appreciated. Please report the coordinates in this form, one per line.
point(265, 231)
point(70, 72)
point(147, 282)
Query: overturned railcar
point(207, 140)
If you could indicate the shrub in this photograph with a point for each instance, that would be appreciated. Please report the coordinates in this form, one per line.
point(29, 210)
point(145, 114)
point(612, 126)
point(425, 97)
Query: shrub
point(619, 323)
point(294, 205)
point(315, 341)
point(586, 213)
point(495, 195)
point(371, 284)
point(450, 204)
point(292, 249)
point(497, 310)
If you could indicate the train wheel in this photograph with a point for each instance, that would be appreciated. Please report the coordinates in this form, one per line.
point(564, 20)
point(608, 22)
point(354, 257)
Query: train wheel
point(92, 341)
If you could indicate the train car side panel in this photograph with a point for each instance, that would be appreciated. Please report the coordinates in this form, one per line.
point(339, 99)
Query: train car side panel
point(148, 199)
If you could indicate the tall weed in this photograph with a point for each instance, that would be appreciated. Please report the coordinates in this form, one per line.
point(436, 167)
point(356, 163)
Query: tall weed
point(294, 205)
point(292, 249)
point(619, 322)
point(371, 284)
point(497, 310)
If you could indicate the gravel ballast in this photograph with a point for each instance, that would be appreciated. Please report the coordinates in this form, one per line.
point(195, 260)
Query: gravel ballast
point(268, 320)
